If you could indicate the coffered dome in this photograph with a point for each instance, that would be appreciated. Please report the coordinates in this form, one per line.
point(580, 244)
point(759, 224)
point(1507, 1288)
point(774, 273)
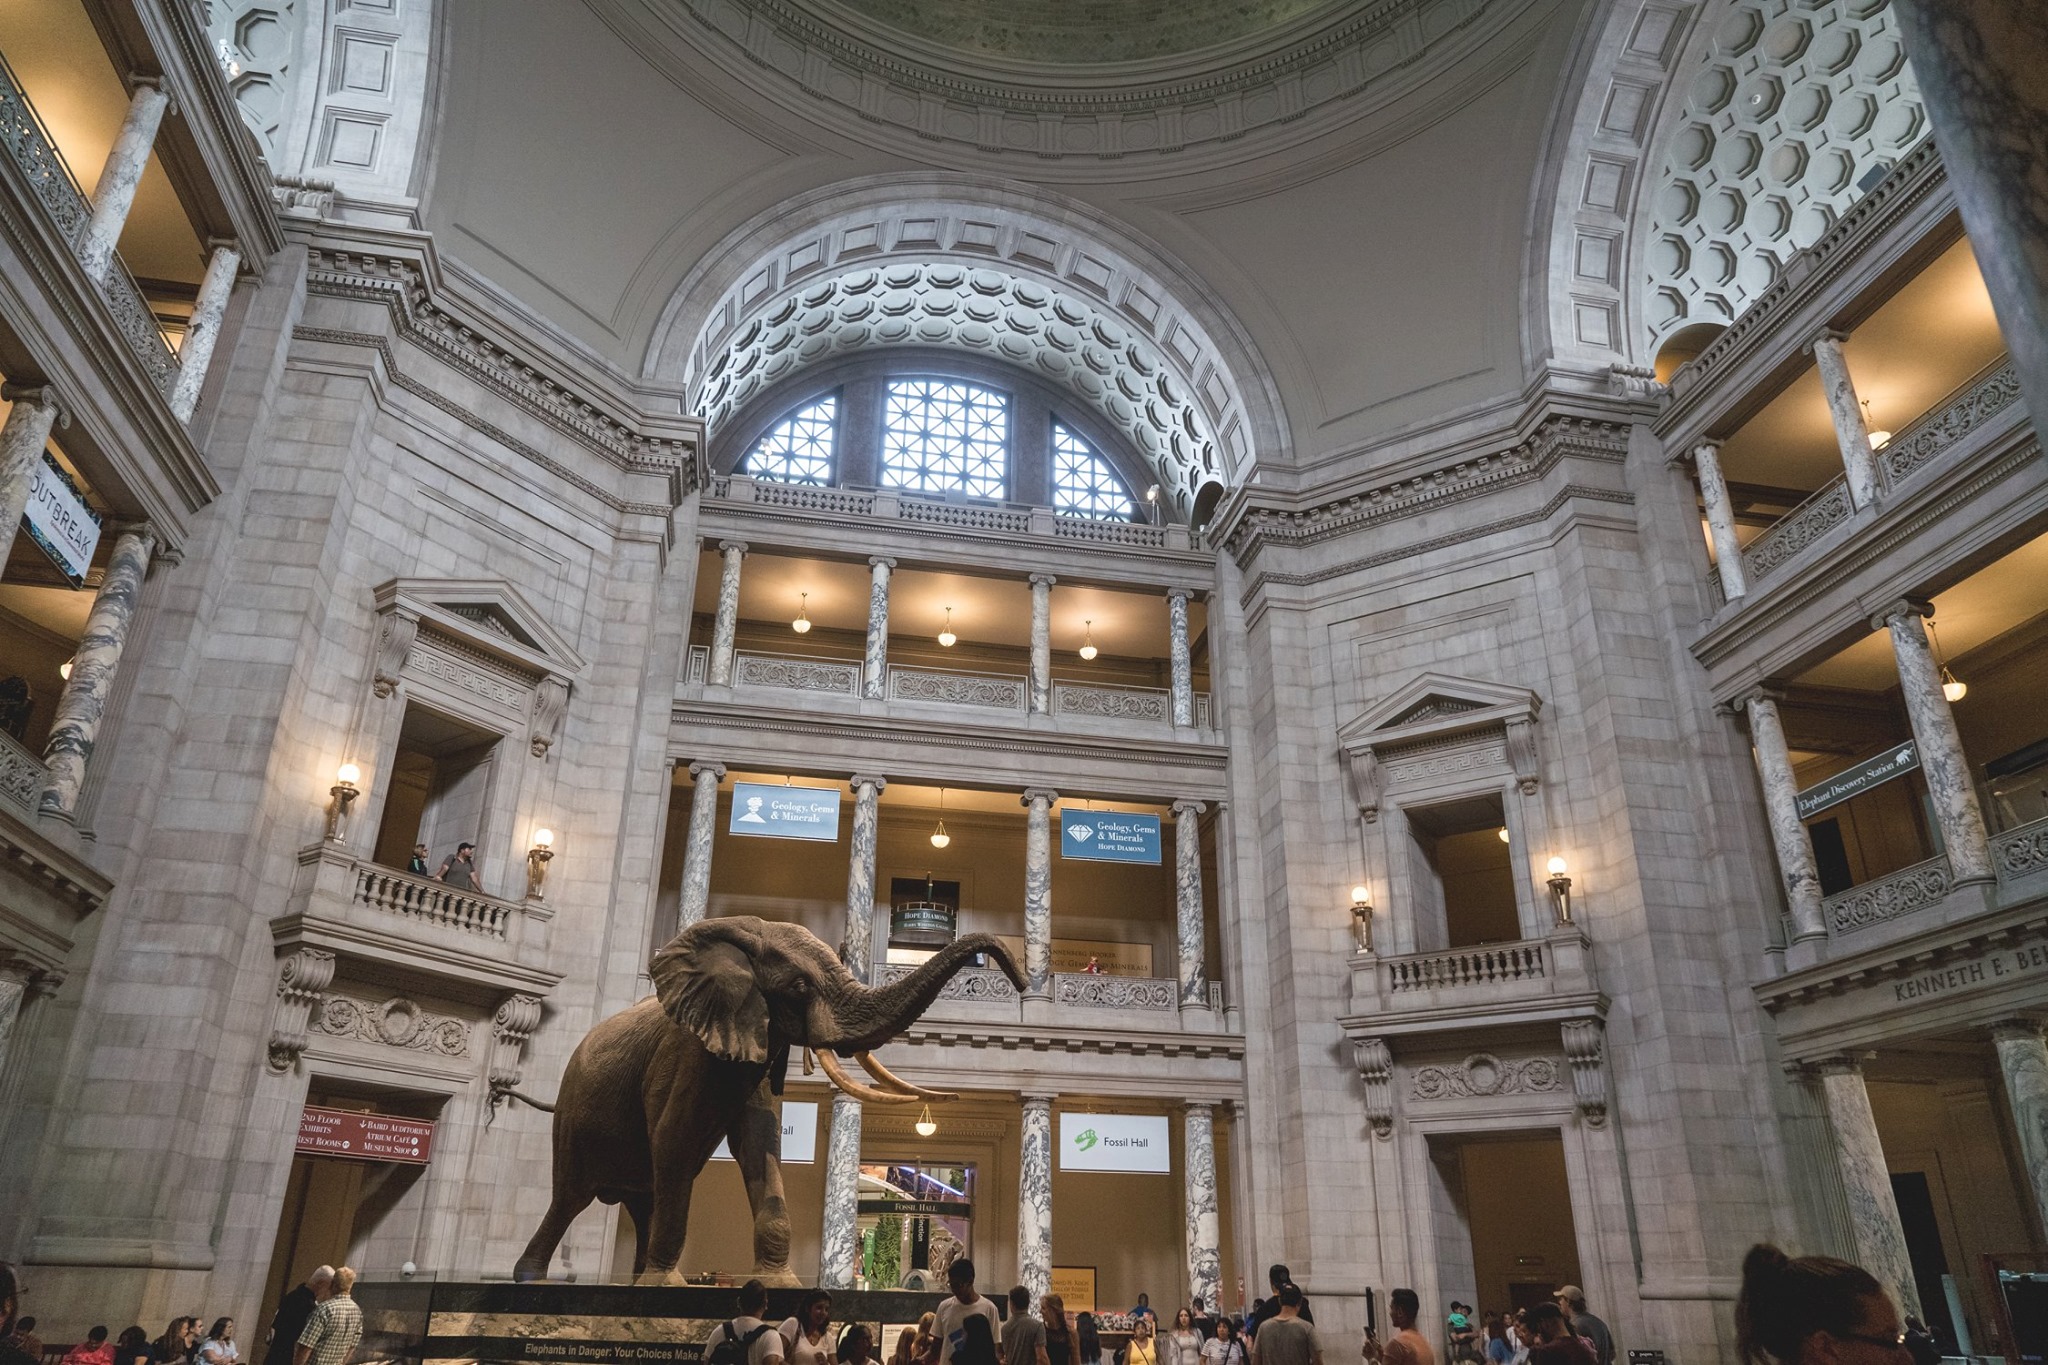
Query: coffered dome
point(1081, 32)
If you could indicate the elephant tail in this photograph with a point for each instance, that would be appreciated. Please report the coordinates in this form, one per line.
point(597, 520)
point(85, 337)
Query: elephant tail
point(508, 1093)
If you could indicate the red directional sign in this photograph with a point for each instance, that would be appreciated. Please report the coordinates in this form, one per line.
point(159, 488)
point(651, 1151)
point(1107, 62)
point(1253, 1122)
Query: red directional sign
point(365, 1137)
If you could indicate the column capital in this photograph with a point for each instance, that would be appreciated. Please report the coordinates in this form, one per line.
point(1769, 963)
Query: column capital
point(1038, 1098)
point(233, 244)
point(1043, 580)
point(1764, 692)
point(728, 546)
point(700, 767)
point(2017, 1030)
point(881, 562)
point(137, 82)
point(1045, 794)
point(1826, 334)
point(1839, 1064)
point(859, 780)
point(1192, 1108)
point(1882, 618)
point(38, 396)
point(1187, 805)
point(1182, 593)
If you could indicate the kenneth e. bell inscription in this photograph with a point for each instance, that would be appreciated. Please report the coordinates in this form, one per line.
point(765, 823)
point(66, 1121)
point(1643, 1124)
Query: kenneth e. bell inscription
point(2003, 965)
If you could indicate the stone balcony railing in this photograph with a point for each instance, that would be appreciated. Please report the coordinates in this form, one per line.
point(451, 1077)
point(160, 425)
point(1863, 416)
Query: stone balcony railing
point(983, 693)
point(1525, 977)
point(28, 146)
point(1151, 1001)
point(886, 504)
point(431, 902)
point(1888, 897)
point(21, 775)
point(1921, 446)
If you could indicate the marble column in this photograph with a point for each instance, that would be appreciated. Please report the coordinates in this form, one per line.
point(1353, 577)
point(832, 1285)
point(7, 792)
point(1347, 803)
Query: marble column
point(1034, 1197)
point(25, 990)
point(1943, 764)
point(1852, 435)
point(29, 421)
point(1706, 462)
point(856, 947)
point(1198, 1173)
point(93, 667)
point(1039, 802)
point(719, 674)
point(839, 1242)
point(203, 330)
point(1177, 653)
point(696, 891)
point(1187, 902)
point(875, 671)
point(1781, 805)
point(1874, 1225)
point(2024, 1059)
point(1041, 643)
point(1982, 66)
point(115, 193)
point(13, 996)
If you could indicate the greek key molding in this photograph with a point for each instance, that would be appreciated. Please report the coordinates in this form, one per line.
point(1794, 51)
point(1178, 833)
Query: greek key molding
point(437, 657)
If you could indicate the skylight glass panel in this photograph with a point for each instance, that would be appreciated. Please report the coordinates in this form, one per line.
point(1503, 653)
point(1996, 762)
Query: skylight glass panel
point(1082, 481)
point(943, 437)
point(798, 449)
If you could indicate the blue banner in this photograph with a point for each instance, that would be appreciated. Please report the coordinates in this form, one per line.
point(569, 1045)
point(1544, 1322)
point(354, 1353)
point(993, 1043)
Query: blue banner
point(771, 812)
point(1109, 836)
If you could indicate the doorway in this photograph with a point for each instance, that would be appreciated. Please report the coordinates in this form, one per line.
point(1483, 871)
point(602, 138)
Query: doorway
point(1463, 874)
point(440, 787)
point(1502, 1210)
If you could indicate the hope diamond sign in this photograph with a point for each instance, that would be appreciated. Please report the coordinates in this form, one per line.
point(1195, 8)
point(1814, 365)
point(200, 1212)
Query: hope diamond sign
point(1109, 836)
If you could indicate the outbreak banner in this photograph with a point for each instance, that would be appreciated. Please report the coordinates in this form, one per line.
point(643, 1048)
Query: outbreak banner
point(1131, 1143)
point(1109, 836)
point(799, 1135)
point(767, 811)
point(365, 1137)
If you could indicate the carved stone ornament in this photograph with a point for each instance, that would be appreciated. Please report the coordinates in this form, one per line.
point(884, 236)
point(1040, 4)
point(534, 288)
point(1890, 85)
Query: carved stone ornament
point(1522, 755)
point(1375, 1062)
point(1366, 780)
point(515, 1022)
point(1483, 1075)
point(301, 980)
point(550, 704)
point(393, 645)
point(396, 1022)
point(1585, 1048)
point(1434, 728)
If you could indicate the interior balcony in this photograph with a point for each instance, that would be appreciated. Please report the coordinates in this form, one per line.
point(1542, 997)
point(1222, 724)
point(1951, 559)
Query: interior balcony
point(1487, 985)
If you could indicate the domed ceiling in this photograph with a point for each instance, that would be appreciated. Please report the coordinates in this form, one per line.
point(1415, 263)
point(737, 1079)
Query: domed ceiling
point(1084, 32)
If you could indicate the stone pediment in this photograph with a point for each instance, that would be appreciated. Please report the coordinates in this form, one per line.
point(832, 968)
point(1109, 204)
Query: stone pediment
point(1437, 709)
point(488, 615)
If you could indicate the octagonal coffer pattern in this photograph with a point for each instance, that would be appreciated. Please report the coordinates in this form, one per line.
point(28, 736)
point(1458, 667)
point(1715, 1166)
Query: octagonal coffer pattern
point(1791, 104)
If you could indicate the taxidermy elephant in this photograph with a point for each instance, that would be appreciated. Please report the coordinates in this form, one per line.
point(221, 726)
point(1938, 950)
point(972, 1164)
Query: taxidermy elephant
point(649, 1093)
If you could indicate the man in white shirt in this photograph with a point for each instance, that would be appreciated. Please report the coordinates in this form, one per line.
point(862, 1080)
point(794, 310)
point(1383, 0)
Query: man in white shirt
point(807, 1337)
point(954, 1312)
point(766, 1343)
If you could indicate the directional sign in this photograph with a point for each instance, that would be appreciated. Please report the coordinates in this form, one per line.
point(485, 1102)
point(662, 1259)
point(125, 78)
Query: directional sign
point(60, 522)
point(365, 1137)
point(1896, 761)
point(1114, 1142)
point(766, 810)
point(1109, 836)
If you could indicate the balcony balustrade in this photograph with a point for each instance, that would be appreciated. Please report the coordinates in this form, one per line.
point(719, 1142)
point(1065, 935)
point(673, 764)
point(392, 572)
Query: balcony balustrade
point(1000, 518)
point(1484, 983)
point(1145, 1002)
point(28, 146)
point(21, 775)
point(1888, 897)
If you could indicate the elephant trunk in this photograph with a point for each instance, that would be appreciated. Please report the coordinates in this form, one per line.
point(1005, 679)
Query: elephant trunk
point(864, 1018)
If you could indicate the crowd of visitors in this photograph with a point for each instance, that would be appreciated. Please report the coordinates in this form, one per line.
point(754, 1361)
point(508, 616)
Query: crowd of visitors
point(318, 1323)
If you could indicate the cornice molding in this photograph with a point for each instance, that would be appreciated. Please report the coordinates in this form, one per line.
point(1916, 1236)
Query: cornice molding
point(838, 65)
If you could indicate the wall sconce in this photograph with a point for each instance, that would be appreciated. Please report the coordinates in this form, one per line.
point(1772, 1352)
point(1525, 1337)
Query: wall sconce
point(1361, 919)
point(1560, 892)
point(344, 793)
point(537, 859)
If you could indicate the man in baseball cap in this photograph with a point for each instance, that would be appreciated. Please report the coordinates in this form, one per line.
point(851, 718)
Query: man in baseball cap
point(1572, 1300)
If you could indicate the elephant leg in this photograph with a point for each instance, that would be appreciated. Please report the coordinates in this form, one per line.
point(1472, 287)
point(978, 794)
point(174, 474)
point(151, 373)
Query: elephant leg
point(639, 1206)
point(562, 1211)
point(683, 1140)
point(756, 1142)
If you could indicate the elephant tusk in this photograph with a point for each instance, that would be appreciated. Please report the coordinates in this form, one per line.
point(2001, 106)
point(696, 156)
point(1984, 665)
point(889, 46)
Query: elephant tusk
point(808, 1068)
point(892, 1081)
point(865, 1093)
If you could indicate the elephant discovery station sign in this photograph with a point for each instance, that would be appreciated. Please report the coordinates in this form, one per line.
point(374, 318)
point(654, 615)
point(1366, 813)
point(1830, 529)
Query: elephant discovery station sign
point(1109, 836)
point(765, 810)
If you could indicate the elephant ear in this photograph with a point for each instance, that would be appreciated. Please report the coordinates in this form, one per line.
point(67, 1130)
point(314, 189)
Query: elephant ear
point(704, 979)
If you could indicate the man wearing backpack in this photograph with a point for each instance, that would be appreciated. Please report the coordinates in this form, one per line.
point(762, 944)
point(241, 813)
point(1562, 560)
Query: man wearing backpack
point(746, 1340)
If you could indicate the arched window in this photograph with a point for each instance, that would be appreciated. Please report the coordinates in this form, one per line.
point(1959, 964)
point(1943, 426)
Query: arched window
point(939, 436)
point(798, 449)
point(1083, 482)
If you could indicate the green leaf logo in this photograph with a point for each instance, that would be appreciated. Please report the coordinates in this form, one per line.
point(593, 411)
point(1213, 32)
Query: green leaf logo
point(1085, 1139)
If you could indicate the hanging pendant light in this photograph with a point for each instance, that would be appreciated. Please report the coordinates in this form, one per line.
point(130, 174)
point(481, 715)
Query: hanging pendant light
point(924, 1125)
point(947, 639)
point(939, 836)
point(1952, 687)
point(1878, 439)
point(802, 624)
point(1088, 639)
point(64, 669)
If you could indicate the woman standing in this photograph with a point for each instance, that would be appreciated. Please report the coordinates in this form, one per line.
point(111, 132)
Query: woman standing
point(1087, 1340)
point(906, 1348)
point(1143, 1350)
point(219, 1347)
point(1184, 1343)
point(1059, 1342)
point(1224, 1348)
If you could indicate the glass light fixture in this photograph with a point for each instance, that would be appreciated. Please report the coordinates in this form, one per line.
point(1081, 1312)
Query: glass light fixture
point(1557, 867)
point(1360, 896)
point(348, 774)
point(924, 1125)
point(1088, 639)
point(1952, 687)
point(1878, 439)
point(947, 639)
point(939, 836)
point(64, 670)
point(802, 624)
point(543, 837)
point(1504, 834)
